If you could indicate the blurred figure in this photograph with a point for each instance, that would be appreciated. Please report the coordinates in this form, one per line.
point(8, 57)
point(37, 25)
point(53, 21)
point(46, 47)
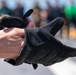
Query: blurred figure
point(4, 9)
point(64, 31)
point(19, 10)
point(57, 10)
point(70, 12)
point(50, 11)
point(36, 14)
point(43, 16)
point(54, 12)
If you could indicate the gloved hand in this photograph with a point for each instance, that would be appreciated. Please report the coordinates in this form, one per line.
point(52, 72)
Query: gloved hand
point(8, 21)
point(40, 45)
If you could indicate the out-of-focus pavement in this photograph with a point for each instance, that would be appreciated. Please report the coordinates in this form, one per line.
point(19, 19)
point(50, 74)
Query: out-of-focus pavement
point(67, 67)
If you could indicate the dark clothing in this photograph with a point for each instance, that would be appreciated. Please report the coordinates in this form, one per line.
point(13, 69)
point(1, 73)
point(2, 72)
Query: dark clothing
point(36, 16)
point(18, 12)
point(5, 10)
point(50, 15)
point(57, 12)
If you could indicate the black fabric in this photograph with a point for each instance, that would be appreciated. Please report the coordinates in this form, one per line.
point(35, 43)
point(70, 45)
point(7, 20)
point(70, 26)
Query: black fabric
point(8, 21)
point(13, 22)
point(45, 49)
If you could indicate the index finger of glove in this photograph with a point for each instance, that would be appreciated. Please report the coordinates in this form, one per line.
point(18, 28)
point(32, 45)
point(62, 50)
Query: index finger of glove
point(57, 25)
point(54, 26)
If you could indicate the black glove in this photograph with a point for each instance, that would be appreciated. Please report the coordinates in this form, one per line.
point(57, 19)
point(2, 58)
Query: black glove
point(8, 21)
point(37, 41)
point(42, 48)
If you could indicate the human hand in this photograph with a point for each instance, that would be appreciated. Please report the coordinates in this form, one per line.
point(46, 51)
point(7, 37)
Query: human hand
point(42, 48)
point(40, 44)
point(12, 37)
point(11, 32)
point(11, 42)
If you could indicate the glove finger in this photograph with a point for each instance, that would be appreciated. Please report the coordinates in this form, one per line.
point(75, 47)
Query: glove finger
point(27, 14)
point(54, 26)
point(4, 20)
point(58, 25)
point(13, 22)
point(7, 21)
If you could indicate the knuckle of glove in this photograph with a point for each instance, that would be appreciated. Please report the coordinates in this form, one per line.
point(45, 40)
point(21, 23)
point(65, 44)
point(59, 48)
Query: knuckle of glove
point(4, 20)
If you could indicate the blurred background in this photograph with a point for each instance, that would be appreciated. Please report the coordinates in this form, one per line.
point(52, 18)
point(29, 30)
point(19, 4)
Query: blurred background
point(44, 12)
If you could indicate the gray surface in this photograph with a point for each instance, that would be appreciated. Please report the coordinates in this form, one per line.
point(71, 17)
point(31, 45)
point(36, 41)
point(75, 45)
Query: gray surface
point(6, 69)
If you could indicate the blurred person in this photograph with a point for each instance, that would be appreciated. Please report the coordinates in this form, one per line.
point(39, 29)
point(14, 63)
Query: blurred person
point(36, 46)
point(36, 14)
point(19, 10)
point(70, 12)
point(54, 12)
point(43, 16)
point(4, 9)
point(50, 12)
point(57, 10)
point(64, 31)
